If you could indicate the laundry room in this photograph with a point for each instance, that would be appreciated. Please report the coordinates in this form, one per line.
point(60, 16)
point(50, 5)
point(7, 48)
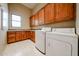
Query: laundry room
point(39, 29)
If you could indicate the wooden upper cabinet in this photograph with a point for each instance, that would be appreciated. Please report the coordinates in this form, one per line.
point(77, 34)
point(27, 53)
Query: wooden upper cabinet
point(54, 12)
point(41, 17)
point(49, 13)
point(32, 23)
point(61, 11)
point(71, 11)
point(36, 20)
point(64, 11)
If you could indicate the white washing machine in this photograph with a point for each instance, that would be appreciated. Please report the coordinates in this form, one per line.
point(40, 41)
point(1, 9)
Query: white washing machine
point(62, 42)
point(40, 39)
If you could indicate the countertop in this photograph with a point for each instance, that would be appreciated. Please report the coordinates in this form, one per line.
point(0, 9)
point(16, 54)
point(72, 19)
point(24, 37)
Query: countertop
point(23, 30)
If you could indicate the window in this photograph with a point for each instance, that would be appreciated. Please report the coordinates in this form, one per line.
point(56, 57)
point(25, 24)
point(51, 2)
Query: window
point(16, 21)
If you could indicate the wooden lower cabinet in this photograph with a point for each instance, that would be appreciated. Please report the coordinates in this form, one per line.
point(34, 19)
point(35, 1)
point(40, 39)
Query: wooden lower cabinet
point(18, 36)
point(28, 34)
point(10, 37)
point(24, 35)
point(15, 36)
point(33, 36)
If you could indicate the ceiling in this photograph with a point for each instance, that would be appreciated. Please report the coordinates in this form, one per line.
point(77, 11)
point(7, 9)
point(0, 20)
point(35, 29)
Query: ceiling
point(30, 5)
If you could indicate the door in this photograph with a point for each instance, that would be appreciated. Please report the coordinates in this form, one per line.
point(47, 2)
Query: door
point(40, 40)
point(64, 11)
point(32, 22)
point(41, 17)
point(58, 48)
point(36, 19)
point(18, 35)
point(10, 37)
point(23, 35)
point(61, 11)
point(71, 11)
point(32, 36)
point(49, 13)
point(28, 34)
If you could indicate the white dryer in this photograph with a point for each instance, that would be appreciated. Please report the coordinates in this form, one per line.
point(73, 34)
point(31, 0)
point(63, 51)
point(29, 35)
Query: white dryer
point(62, 42)
point(40, 39)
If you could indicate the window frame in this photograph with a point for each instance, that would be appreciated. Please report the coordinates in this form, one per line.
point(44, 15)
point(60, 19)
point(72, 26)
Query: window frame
point(16, 21)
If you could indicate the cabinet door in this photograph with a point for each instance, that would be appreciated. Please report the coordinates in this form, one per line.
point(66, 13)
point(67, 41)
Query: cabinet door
point(36, 20)
point(64, 11)
point(52, 12)
point(41, 17)
point(32, 22)
point(18, 36)
point(61, 11)
point(23, 35)
point(70, 11)
point(28, 34)
point(58, 48)
point(33, 36)
point(10, 37)
point(49, 13)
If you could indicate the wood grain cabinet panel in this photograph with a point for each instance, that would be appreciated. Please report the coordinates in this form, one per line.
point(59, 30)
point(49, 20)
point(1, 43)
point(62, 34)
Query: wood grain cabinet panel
point(55, 12)
point(64, 11)
point(32, 21)
point(61, 11)
point(41, 17)
point(49, 13)
point(52, 13)
point(18, 35)
point(15, 36)
point(28, 34)
point(23, 35)
point(71, 11)
point(10, 37)
point(36, 20)
point(32, 36)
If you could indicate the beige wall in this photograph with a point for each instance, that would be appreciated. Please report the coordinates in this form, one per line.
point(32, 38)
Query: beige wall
point(22, 11)
point(38, 7)
point(3, 30)
point(77, 18)
point(65, 24)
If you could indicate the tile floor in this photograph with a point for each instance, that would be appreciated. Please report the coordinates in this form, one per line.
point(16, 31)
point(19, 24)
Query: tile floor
point(22, 48)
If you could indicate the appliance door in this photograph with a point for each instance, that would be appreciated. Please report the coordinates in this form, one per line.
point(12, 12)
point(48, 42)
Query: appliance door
point(40, 40)
point(58, 48)
point(61, 45)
